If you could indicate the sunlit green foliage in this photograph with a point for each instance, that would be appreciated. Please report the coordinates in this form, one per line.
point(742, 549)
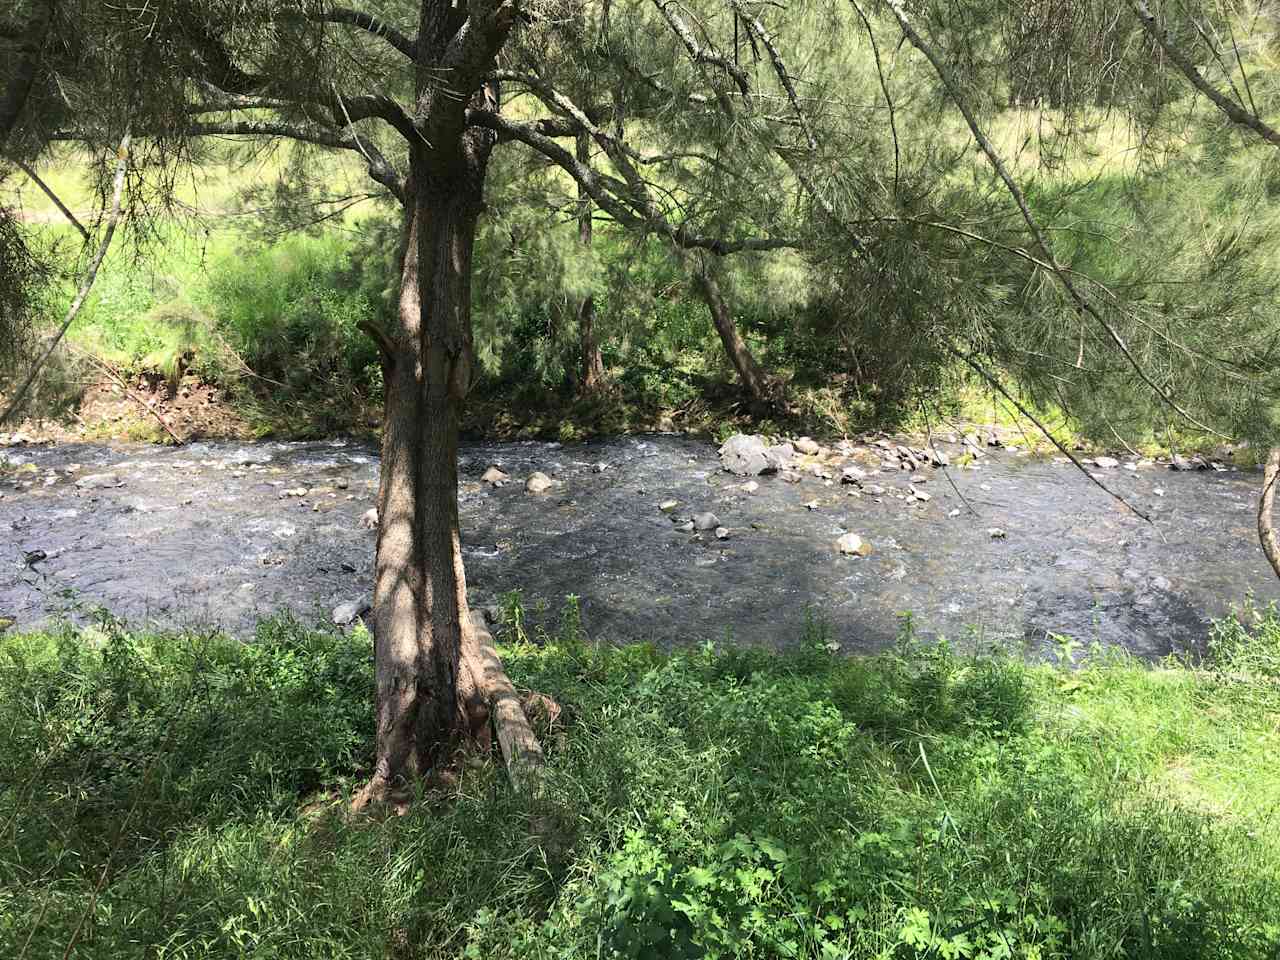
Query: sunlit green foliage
point(920, 803)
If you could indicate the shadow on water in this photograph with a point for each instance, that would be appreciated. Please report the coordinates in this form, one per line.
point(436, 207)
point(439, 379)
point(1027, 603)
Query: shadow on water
point(224, 533)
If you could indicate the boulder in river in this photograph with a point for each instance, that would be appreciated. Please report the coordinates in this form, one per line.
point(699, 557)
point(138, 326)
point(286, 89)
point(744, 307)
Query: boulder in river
point(806, 446)
point(748, 455)
point(1109, 463)
point(347, 613)
point(538, 482)
point(494, 476)
point(852, 545)
point(706, 521)
point(369, 519)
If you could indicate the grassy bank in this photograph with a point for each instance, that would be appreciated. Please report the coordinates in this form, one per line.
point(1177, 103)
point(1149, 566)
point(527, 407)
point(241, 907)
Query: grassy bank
point(182, 796)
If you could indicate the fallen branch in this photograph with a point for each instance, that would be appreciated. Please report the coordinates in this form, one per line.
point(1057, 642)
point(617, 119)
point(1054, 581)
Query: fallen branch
point(147, 405)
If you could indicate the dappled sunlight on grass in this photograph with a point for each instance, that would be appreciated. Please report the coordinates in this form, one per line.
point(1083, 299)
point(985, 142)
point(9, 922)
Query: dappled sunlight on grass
point(720, 802)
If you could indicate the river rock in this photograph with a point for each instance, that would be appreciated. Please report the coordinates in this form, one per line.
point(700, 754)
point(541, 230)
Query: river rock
point(666, 506)
point(295, 492)
point(806, 446)
point(1106, 462)
point(852, 545)
point(494, 476)
point(722, 533)
point(996, 533)
point(369, 519)
point(750, 487)
point(538, 482)
point(706, 521)
point(748, 455)
point(852, 474)
point(686, 527)
point(347, 613)
point(99, 481)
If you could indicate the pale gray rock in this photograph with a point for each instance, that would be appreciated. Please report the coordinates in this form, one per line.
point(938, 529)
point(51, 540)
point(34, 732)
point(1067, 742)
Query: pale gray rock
point(99, 481)
point(538, 482)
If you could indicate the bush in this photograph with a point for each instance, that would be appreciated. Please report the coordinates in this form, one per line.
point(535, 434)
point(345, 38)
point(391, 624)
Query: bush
point(287, 310)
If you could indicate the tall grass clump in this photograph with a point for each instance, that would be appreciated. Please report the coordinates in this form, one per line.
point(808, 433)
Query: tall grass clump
point(184, 796)
point(291, 312)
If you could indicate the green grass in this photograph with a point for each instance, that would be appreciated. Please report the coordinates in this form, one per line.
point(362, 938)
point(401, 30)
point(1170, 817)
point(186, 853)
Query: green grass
point(184, 796)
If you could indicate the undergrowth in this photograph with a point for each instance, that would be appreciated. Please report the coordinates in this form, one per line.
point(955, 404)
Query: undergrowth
point(185, 796)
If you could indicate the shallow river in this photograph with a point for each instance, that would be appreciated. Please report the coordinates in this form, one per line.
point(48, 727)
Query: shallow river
point(222, 533)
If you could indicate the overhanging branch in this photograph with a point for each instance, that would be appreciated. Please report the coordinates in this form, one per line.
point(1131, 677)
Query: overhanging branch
point(368, 22)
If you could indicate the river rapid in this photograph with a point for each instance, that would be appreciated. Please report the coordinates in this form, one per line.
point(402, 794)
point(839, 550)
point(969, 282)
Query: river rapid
point(222, 533)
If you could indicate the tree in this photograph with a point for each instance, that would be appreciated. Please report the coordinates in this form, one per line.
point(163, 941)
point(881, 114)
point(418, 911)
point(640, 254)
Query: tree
point(417, 90)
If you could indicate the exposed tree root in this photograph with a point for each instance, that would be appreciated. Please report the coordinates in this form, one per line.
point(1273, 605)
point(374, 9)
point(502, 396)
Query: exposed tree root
point(521, 752)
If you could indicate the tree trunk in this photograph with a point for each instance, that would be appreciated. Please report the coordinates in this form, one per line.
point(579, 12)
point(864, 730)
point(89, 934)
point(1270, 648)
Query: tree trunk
point(429, 684)
point(592, 363)
point(753, 378)
point(1266, 532)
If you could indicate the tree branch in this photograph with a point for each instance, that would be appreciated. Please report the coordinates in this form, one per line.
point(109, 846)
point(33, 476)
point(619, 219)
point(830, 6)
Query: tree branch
point(698, 53)
point(370, 23)
point(605, 192)
point(995, 382)
point(57, 201)
point(379, 169)
point(1234, 112)
point(1042, 240)
point(779, 67)
point(122, 166)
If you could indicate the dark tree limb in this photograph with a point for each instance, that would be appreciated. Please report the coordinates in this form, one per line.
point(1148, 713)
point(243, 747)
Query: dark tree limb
point(368, 22)
point(1233, 111)
point(605, 191)
point(57, 201)
point(91, 274)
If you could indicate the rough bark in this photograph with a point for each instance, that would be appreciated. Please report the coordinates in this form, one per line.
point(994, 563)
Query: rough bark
point(752, 376)
point(1266, 531)
point(429, 694)
point(591, 377)
point(430, 679)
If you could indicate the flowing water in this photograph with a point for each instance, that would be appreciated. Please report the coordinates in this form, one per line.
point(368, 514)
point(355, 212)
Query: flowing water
point(224, 533)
